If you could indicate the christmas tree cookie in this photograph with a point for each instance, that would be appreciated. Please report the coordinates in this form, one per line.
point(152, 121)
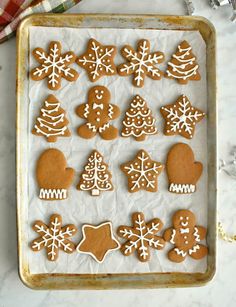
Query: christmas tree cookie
point(52, 122)
point(96, 177)
point(183, 66)
point(138, 121)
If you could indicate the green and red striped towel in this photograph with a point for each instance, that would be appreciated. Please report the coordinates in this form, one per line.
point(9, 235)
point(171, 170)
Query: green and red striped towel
point(13, 11)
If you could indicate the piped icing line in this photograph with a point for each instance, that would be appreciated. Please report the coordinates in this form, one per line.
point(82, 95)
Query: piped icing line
point(52, 193)
point(194, 249)
point(91, 127)
point(86, 110)
point(182, 188)
point(180, 252)
point(139, 113)
point(140, 126)
point(196, 235)
point(173, 236)
point(104, 127)
point(110, 111)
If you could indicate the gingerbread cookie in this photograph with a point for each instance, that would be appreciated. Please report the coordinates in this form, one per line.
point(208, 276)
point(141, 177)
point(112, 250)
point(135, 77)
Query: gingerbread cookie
point(98, 112)
point(138, 120)
point(53, 237)
point(182, 170)
point(181, 117)
point(98, 60)
point(183, 66)
point(142, 172)
point(54, 65)
point(96, 176)
point(98, 241)
point(141, 236)
point(185, 236)
point(52, 122)
point(141, 63)
point(53, 177)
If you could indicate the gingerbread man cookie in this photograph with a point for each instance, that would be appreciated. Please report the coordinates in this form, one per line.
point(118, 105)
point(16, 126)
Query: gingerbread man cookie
point(185, 235)
point(181, 117)
point(98, 60)
point(141, 236)
point(182, 170)
point(141, 63)
point(183, 66)
point(98, 112)
point(54, 65)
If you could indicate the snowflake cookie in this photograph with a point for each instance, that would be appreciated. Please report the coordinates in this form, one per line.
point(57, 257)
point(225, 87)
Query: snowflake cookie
point(98, 241)
point(141, 236)
point(181, 117)
point(141, 63)
point(52, 122)
point(138, 121)
point(53, 177)
point(98, 60)
point(98, 112)
point(142, 172)
point(54, 66)
point(183, 66)
point(96, 176)
point(53, 237)
point(185, 236)
point(182, 170)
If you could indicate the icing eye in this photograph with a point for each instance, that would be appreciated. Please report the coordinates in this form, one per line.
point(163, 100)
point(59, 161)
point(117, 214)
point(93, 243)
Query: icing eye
point(181, 218)
point(96, 91)
point(102, 92)
point(187, 218)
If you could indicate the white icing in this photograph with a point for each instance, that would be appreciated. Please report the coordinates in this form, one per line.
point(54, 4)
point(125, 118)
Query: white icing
point(96, 176)
point(141, 62)
point(56, 62)
point(110, 111)
point(86, 110)
point(194, 249)
point(173, 236)
point(53, 193)
point(180, 252)
point(98, 61)
point(140, 235)
point(98, 106)
point(196, 235)
point(144, 172)
point(104, 127)
point(184, 74)
point(184, 230)
point(91, 127)
point(182, 188)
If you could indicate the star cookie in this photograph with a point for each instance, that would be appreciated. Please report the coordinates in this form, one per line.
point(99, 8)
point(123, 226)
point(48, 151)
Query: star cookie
point(54, 65)
point(141, 63)
point(181, 117)
point(141, 236)
point(53, 237)
point(142, 172)
point(98, 241)
point(98, 60)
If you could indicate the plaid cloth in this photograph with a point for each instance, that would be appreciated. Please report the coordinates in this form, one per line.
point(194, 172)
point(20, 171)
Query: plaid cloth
point(13, 11)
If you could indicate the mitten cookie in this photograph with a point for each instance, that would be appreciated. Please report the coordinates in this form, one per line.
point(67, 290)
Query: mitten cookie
point(142, 172)
point(141, 63)
point(54, 65)
point(96, 176)
point(53, 237)
point(181, 117)
point(185, 235)
point(98, 112)
point(52, 122)
point(183, 66)
point(53, 177)
point(138, 121)
point(182, 171)
point(98, 241)
point(141, 236)
point(98, 60)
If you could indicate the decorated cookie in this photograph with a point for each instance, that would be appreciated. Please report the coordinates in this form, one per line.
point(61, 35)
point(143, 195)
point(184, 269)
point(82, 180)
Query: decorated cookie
point(182, 170)
point(53, 237)
point(96, 177)
point(185, 236)
point(98, 241)
point(181, 117)
point(54, 66)
point(142, 172)
point(98, 60)
point(98, 112)
point(183, 66)
point(138, 121)
point(141, 236)
point(52, 122)
point(53, 177)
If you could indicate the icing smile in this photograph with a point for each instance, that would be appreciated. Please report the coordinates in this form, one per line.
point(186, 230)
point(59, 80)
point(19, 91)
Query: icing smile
point(99, 97)
point(184, 224)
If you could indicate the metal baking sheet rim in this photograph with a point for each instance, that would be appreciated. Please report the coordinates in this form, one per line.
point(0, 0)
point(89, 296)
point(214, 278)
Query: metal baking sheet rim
point(119, 281)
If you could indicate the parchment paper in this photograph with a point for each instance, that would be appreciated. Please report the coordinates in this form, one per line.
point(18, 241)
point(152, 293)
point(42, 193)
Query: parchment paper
point(118, 205)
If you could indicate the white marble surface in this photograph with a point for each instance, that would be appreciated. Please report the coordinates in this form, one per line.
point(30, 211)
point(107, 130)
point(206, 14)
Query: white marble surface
point(221, 291)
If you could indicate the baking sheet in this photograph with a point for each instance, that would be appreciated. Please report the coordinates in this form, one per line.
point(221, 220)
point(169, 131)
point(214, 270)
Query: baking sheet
point(116, 206)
